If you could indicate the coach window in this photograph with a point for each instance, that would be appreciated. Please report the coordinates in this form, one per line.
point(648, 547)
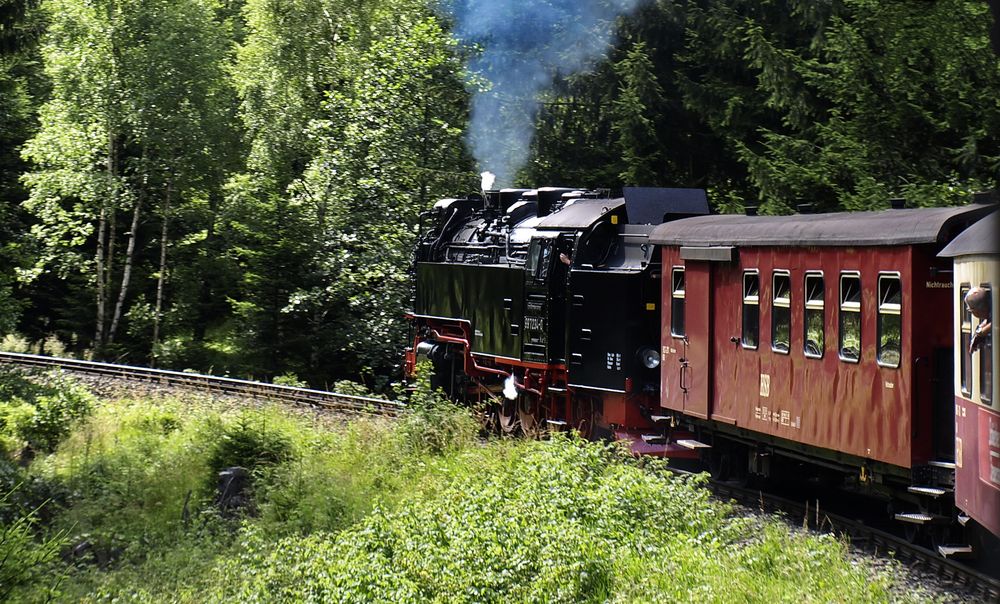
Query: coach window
point(815, 325)
point(677, 302)
point(781, 312)
point(965, 355)
point(986, 359)
point(751, 309)
point(890, 320)
point(850, 317)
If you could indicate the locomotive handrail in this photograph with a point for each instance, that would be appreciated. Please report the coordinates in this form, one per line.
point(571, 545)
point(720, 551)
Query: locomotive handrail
point(468, 357)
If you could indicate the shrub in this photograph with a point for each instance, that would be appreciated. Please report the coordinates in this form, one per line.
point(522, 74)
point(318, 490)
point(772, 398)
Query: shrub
point(27, 494)
point(289, 379)
point(250, 442)
point(15, 343)
point(432, 423)
point(40, 413)
point(22, 557)
point(353, 389)
point(546, 523)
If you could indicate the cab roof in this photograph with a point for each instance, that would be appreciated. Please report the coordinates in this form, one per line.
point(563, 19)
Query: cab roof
point(581, 214)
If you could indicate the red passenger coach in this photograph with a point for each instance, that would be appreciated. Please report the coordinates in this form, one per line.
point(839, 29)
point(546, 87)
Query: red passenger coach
point(819, 338)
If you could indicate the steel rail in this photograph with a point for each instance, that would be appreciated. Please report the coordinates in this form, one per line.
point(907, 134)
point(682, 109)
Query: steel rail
point(208, 383)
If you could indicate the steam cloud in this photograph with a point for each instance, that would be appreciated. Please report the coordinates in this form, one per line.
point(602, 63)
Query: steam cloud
point(524, 45)
point(510, 388)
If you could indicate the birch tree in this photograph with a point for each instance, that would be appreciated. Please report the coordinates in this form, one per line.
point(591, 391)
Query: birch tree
point(135, 94)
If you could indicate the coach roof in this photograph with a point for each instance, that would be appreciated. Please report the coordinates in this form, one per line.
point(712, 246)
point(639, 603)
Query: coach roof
point(980, 238)
point(886, 227)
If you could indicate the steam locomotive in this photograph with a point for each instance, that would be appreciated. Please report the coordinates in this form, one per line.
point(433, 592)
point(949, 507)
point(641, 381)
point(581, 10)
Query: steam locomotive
point(819, 344)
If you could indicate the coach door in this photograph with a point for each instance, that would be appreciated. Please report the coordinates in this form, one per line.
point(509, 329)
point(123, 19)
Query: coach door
point(686, 342)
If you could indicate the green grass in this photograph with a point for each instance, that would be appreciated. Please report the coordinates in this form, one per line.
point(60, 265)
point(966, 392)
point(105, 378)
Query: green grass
point(415, 511)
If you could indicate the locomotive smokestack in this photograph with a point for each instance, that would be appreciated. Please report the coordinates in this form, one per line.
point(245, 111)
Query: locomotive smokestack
point(488, 178)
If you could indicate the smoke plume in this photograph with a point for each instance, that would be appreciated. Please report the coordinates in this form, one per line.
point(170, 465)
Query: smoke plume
point(522, 46)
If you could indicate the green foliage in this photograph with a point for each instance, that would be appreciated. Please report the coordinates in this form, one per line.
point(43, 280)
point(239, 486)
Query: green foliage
point(15, 124)
point(849, 104)
point(558, 521)
point(843, 105)
point(23, 558)
point(639, 97)
point(349, 144)
point(353, 388)
point(136, 479)
point(138, 119)
point(39, 415)
point(347, 514)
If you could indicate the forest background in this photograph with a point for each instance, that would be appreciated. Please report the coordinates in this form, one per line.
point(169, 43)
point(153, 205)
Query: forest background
point(234, 186)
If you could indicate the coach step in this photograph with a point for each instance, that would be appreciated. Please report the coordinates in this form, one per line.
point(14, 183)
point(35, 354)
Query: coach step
point(934, 492)
point(922, 518)
point(955, 551)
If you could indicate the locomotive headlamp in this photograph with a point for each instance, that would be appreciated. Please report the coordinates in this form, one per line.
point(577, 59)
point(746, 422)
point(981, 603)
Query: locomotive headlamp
point(434, 351)
point(649, 358)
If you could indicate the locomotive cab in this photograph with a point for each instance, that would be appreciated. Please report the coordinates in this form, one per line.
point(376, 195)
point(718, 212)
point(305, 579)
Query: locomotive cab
point(545, 273)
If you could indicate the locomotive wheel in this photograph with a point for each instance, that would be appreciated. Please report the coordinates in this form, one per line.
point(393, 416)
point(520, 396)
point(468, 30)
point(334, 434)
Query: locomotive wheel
point(529, 417)
point(507, 416)
point(727, 462)
point(584, 416)
point(913, 533)
point(720, 465)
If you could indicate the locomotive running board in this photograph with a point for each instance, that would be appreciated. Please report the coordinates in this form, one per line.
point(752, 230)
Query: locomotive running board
point(693, 444)
point(655, 444)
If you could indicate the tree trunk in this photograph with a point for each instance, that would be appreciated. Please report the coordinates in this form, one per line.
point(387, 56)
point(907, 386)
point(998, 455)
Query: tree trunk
point(104, 257)
point(127, 271)
point(101, 295)
point(109, 256)
point(162, 276)
point(204, 289)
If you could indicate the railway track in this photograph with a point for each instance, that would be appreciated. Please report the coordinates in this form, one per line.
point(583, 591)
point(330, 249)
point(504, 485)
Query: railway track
point(214, 384)
point(978, 585)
